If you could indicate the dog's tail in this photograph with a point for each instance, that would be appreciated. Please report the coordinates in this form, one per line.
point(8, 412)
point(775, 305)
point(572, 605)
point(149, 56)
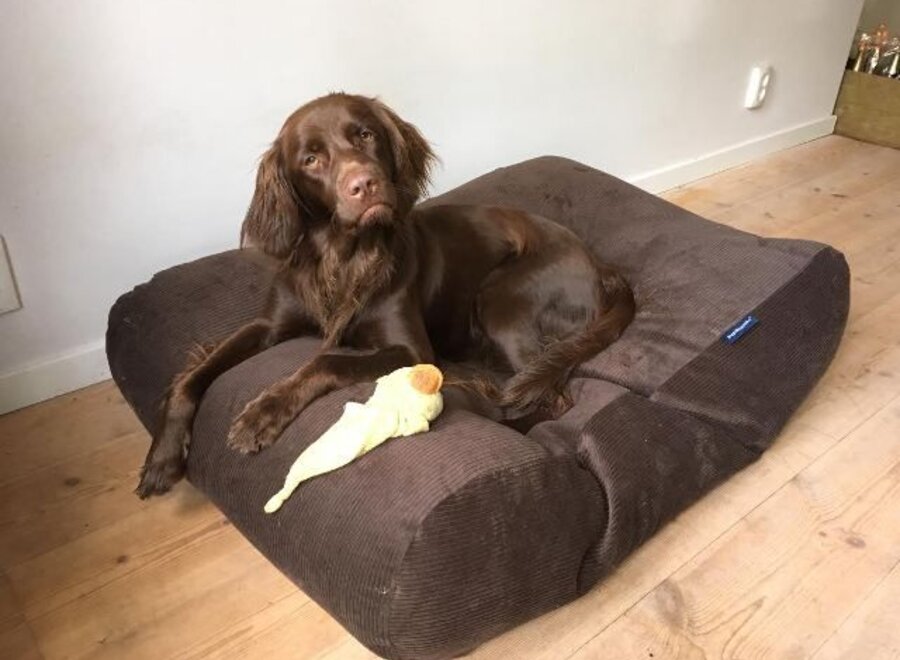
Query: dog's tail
point(540, 386)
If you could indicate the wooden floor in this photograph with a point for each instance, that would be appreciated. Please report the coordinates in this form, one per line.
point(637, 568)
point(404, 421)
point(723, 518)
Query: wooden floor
point(798, 556)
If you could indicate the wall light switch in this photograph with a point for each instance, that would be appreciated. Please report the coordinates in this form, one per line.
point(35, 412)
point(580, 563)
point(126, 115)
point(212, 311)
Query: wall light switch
point(9, 295)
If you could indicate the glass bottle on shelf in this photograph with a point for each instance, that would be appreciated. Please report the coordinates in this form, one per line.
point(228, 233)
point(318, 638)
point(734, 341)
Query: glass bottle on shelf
point(862, 52)
point(892, 54)
point(879, 41)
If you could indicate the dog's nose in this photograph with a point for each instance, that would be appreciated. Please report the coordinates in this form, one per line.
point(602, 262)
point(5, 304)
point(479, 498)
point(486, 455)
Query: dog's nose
point(361, 185)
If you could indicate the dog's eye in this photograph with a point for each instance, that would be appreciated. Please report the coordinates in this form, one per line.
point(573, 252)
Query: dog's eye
point(367, 135)
point(310, 160)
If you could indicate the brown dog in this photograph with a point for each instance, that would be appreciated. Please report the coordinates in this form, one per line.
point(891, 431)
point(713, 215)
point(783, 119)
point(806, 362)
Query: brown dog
point(360, 268)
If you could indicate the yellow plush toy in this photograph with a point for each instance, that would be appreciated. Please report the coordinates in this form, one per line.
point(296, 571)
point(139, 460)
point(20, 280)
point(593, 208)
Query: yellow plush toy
point(404, 402)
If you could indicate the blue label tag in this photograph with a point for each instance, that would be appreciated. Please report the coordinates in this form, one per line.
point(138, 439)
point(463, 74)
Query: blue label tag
point(740, 329)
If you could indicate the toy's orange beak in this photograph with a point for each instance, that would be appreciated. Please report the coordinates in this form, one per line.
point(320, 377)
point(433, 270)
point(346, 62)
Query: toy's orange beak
point(426, 378)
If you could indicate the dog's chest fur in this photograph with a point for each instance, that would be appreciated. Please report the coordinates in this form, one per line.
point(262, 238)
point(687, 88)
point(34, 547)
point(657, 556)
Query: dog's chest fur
point(342, 284)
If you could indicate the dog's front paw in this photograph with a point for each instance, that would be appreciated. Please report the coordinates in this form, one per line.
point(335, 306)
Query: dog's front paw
point(166, 461)
point(158, 476)
point(258, 426)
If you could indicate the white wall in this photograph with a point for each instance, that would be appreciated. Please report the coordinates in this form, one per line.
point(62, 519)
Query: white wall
point(129, 130)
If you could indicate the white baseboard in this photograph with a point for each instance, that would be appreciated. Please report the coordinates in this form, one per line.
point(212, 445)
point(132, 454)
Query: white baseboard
point(87, 365)
point(70, 371)
point(677, 174)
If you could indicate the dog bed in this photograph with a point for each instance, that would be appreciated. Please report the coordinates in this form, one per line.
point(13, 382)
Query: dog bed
point(430, 545)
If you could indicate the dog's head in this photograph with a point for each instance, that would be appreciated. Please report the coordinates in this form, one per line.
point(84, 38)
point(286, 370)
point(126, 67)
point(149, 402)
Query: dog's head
point(345, 160)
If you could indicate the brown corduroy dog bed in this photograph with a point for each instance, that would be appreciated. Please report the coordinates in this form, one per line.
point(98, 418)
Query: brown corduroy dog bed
point(432, 544)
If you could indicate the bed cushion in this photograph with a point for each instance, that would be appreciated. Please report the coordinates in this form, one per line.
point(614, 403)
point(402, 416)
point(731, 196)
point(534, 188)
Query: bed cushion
point(430, 545)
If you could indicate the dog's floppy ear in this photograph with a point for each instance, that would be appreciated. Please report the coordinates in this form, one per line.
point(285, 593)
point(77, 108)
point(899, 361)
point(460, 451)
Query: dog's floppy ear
point(413, 157)
point(273, 222)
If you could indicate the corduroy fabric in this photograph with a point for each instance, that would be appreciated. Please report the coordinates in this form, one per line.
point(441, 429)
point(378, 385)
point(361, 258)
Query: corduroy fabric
point(416, 532)
point(152, 329)
point(432, 544)
point(692, 278)
point(654, 456)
